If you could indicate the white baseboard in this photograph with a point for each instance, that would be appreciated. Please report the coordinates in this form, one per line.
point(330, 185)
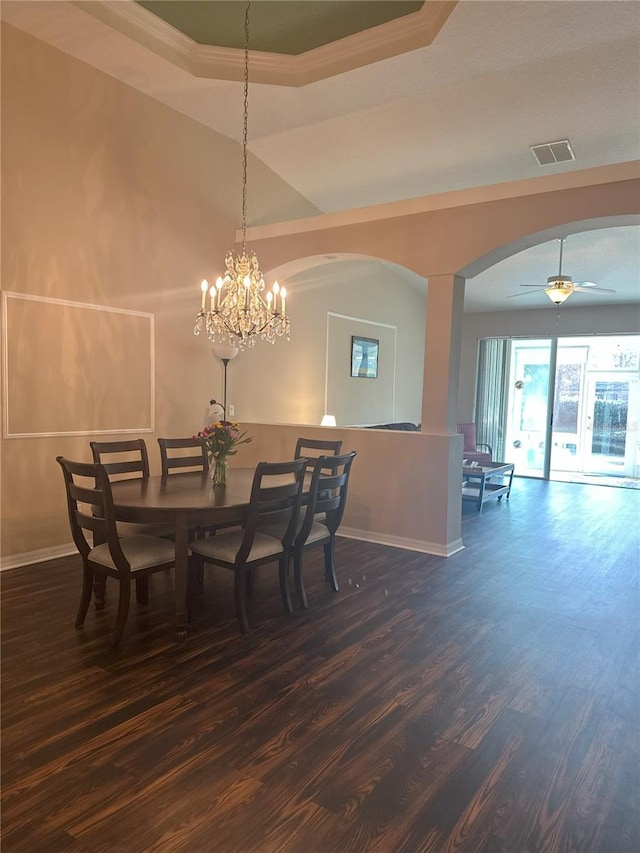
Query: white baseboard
point(29, 557)
point(433, 548)
point(33, 557)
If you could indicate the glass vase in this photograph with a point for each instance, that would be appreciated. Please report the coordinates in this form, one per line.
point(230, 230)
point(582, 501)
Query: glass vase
point(219, 472)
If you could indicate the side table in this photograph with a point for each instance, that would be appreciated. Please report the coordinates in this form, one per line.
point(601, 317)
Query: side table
point(483, 482)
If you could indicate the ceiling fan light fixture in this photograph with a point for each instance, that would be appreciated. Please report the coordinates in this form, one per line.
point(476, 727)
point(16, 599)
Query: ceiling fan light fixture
point(559, 287)
point(558, 291)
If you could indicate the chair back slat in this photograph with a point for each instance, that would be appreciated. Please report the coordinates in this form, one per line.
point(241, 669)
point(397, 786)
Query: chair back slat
point(180, 460)
point(132, 467)
point(277, 493)
point(93, 523)
point(84, 494)
point(103, 452)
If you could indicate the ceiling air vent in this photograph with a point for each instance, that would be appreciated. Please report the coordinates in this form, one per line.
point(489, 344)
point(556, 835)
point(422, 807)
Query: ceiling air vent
point(553, 152)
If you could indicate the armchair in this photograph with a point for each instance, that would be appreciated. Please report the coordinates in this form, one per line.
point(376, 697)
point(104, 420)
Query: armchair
point(471, 448)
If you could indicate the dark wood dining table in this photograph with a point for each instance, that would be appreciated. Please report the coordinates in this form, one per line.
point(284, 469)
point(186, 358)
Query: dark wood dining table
point(186, 500)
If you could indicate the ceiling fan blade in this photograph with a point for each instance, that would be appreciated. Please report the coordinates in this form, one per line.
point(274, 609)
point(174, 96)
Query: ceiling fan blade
point(515, 295)
point(593, 289)
point(586, 283)
point(532, 285)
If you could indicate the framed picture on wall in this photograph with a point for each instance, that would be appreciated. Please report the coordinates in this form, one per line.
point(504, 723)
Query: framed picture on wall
point(364, 357)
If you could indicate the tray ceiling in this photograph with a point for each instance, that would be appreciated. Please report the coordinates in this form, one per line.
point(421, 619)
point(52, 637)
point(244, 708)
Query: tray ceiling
point(277, 26)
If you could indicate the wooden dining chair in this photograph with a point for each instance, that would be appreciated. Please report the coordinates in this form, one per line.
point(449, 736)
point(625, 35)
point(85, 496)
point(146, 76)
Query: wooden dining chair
point(322, 517)
point(312, 448)
point(123, 558)
point(196, 461)
point(124, 460)
point(276, 492)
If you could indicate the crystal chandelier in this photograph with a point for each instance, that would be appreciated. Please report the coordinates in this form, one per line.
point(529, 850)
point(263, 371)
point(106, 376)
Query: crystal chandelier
point(238, 313)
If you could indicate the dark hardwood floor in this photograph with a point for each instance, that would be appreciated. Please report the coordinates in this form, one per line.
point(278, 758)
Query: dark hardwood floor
point(487, 703)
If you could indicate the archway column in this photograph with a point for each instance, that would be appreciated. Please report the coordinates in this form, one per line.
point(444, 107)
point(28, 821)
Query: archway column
point(443, 338)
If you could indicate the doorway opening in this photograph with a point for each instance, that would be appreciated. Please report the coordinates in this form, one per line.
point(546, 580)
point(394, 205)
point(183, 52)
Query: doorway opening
point(563, 408)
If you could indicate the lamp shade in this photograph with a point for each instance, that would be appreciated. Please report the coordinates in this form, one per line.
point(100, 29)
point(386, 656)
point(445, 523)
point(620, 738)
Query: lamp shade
point(215, 412)
point(328, 420)
point(223, 351)
point(557, 294)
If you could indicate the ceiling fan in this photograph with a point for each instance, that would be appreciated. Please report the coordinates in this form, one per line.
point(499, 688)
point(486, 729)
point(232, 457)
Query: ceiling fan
point(560, 287)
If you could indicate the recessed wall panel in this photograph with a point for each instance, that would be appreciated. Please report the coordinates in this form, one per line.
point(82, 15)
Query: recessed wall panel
point(359, 400)
point(71, 368)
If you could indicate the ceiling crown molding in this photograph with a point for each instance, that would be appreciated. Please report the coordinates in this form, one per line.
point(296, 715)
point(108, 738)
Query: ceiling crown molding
point(400, 35)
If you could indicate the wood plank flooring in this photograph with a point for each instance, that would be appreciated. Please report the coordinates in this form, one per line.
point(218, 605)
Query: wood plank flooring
point(487, 703)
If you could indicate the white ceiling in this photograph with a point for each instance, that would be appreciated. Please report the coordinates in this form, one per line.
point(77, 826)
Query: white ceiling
point(610, 257)
point(499, 77)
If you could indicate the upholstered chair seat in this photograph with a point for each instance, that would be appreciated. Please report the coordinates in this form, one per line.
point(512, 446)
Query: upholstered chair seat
point(141, 552)
point(225, 546)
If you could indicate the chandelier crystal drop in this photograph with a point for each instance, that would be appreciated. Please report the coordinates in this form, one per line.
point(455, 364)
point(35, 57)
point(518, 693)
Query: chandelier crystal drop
point(238, 313)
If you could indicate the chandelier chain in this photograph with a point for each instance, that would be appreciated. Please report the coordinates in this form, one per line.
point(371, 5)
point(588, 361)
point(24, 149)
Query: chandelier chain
point(237, 312)
point(245, 125)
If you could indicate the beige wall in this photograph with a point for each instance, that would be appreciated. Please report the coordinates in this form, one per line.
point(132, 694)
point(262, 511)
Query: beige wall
point(286, 383)
point(546, 322)
point(111, 199)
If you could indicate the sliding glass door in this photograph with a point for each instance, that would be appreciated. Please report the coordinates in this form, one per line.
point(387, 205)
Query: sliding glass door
point(527, 414)
point(562, 408)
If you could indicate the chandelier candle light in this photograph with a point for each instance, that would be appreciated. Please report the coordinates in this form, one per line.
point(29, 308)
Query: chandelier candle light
point(237, 312)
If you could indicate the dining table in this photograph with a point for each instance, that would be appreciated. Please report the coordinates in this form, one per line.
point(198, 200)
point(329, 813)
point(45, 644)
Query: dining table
point(187, 501)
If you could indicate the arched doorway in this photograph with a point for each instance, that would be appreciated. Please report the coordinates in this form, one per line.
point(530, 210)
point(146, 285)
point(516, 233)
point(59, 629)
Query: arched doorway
point(558, 390)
